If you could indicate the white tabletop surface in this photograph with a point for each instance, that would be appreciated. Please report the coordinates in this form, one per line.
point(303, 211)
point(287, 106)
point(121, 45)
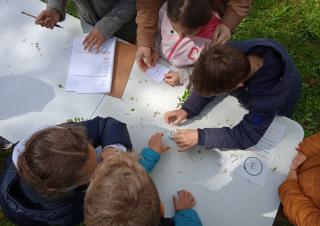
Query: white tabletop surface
point(34, 62)
point(229, 199)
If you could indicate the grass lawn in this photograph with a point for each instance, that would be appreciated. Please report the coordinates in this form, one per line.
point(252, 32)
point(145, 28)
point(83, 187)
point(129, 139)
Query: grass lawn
point(295, 24)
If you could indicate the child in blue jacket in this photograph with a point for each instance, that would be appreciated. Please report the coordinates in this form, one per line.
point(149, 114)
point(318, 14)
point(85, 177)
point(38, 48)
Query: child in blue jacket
point(122, 193)
point(262, 76)
point(47, 175)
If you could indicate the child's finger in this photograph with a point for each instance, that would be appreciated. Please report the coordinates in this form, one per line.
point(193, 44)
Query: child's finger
point(154, 58)
point(142, 65)
point(174, 200)
point(178, 120)
point(99, 46)
point(53, 23)
point(92, 44)
point(184, 194)
point(47, 21)
point(147, 59)
point(169, 116)
point(40, 18)
point(168, 75)
point(86, 39)
point(166, 118)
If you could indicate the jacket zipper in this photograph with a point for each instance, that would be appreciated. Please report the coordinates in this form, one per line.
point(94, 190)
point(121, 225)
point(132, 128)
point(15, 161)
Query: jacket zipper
point(173, 49)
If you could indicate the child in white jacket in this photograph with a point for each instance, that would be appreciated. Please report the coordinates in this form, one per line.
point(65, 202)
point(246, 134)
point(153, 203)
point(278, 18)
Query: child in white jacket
point(185, 27)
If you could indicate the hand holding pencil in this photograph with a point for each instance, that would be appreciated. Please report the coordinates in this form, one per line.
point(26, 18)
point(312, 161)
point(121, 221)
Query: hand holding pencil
point(47, 18)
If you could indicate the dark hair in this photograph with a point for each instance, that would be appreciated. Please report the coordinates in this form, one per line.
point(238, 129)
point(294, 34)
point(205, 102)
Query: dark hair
point(219, 69)
point(53, 160)
point(191, 14)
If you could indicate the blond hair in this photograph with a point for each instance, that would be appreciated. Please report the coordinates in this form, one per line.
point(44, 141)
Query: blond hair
point(122, 194)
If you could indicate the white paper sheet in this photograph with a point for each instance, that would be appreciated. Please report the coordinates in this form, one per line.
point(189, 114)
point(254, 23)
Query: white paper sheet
point(255, 164)
point(91, 72)
point(157, 72)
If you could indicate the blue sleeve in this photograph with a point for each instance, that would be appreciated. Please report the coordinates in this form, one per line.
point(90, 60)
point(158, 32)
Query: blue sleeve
point(187, 217)
point(195, 103)
point(242, 136)
point(106, 131)
point(148, 159)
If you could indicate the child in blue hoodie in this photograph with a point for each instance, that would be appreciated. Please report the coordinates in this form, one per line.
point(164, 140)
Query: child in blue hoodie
point(262, 75)
point(122, 193)
point(47, 175)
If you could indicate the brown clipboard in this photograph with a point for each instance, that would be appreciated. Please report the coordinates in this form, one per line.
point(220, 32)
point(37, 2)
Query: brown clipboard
point(124, 59)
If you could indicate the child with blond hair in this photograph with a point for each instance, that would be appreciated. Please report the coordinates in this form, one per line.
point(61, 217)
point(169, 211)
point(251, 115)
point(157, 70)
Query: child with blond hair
point(121, 193)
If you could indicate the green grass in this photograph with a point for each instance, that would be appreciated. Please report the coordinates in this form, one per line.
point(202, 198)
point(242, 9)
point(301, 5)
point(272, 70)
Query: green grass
point(295, 24)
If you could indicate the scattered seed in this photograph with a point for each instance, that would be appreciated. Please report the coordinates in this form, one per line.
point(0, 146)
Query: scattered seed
point(156, 113)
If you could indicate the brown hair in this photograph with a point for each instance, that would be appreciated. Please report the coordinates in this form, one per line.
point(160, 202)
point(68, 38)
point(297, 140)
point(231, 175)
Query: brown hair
point(122, 194)
point(191, 14)
point(219, 70)
point(53, 160)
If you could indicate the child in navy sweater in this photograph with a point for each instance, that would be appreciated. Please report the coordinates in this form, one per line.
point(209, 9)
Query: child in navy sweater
point(267, 84)
point(46, 178)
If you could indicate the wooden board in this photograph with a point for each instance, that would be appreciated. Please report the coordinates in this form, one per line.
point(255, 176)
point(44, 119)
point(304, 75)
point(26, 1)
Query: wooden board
point(124, 58)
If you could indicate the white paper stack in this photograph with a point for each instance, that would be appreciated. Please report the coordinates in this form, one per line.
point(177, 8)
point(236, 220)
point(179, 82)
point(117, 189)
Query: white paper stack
point(91, 72)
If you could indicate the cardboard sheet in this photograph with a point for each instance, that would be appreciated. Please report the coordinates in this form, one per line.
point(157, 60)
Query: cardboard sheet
point(124, 59)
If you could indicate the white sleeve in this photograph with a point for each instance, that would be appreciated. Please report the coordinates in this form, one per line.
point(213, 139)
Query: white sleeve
point(119, 147)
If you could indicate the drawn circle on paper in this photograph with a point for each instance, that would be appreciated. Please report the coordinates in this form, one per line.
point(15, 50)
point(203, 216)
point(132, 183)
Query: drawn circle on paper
point(253, 166)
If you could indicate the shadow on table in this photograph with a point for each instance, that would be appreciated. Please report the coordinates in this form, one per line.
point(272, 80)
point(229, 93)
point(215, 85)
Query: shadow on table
point(234, 202)
point(23, 94)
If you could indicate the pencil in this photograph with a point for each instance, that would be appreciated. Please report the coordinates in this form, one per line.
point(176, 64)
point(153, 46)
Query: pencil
point(27, 14)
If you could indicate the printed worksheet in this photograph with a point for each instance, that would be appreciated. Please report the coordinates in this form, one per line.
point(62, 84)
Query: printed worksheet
point(157, 72)
point(255, 163)
point(91, 72)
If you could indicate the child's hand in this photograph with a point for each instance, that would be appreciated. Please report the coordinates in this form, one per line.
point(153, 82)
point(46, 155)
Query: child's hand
point(109, 153)
point(48, 18)
point(175, 117)
point(298, 160)
point(146, 58)
point(172, 78)
point(94, 38)
point(186, 138)
point(156, 143)
point(184, 201)
point(221, 35)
